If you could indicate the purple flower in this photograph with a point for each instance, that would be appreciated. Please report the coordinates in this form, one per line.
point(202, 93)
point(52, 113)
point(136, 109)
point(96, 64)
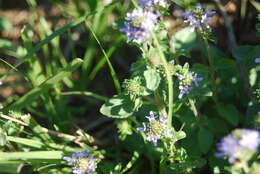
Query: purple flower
point(228, 147)
point(137, 25)
point(82, 162)
point(156, 128)
point(197, 18)
point(250, 139)
point(152, 3)
point(187, 82)
point(241, 144)
point(257, 60)
point(184, 90)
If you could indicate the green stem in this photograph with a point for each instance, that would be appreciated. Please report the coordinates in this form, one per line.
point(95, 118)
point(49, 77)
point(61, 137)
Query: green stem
point(169, 80)
point(212, 69)
point(111, 68)
point(168, 74)
point(193, 107)
point(86, 93)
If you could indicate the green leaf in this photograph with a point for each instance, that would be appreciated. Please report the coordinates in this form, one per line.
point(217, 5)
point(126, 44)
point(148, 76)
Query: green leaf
point(119, 106)
point(11, 49)
point(29, 97)
point(229, 113)
point(205, 139)
point(10, 166)
point(60, 31)
point(152, 79)
point(5, 25)
point(25, 141)
point(252, 76)
point(183, 41)
point(241, 52)
point(47, 155)
point(2, 137)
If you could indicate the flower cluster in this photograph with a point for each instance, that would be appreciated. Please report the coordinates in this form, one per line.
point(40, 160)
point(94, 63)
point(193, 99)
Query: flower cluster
point(187, 82)
point(138, 25)
point(241, 144)
point(152, 3)
point(257, 60)
point(156, 129)
point(134, 87)
point(83, 162)
point(198, 18)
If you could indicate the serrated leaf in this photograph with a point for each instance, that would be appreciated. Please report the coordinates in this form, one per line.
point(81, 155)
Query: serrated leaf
point(229, 113)
point(205, 139)
point(119, 106)
point(152, 79)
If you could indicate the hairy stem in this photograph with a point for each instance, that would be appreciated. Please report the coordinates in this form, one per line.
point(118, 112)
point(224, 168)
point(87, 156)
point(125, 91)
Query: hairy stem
point(169, 80)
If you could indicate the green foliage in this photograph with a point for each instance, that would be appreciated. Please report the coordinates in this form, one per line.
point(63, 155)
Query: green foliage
point(152, 79)
point(205, 139)
point(118, 107)
point(183, 41)
point(5, 25)
point(195, 101)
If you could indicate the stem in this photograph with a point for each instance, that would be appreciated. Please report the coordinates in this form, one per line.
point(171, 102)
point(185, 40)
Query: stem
point(212, 69)
point(193, 107)
point(86, 93)
point(169, 79)
point(168, 75)
point(111, 68)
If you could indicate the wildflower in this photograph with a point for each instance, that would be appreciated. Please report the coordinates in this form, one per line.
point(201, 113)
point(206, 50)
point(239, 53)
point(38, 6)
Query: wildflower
point(152, 3)
point(187, 81)
point(134, 87)
point(82, 162)
point(241, 144)
point(156, 129)
point(257, 60)
point(198, 18)
point(137, 25)
point(1, 83)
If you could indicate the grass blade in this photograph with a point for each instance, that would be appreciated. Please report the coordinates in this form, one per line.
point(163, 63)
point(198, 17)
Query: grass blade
point(37, 91)
point(31, 155)
point(111, 68)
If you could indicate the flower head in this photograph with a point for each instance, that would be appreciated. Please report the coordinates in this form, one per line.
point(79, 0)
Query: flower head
point(257, 60)
point(138, 23)
point(82, 162)
point(152, 3)
point(198, 18)
point(187, 81)
point(156, 128)
point(241, 144)
point(134, 87)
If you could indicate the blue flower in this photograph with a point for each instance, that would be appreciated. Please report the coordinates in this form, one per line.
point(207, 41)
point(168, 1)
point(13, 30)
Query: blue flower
point(138, 25)
point(156, 128)
point(152, 3)
point(197, 18)
point(241, 144)
point(257, 60)
point(187, 82)
point(82, 162)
